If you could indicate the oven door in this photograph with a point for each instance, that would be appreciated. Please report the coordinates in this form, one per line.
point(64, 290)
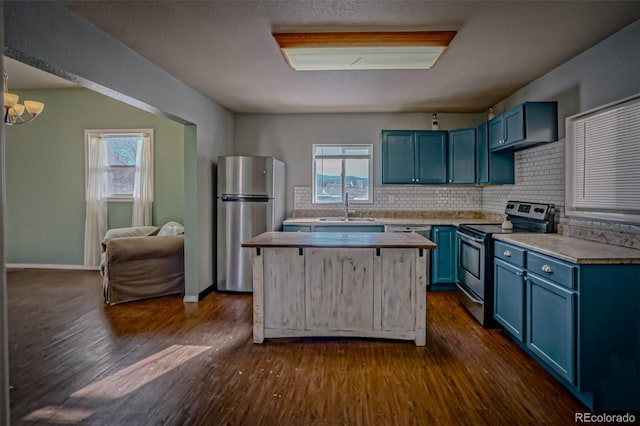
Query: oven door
point(471, 262)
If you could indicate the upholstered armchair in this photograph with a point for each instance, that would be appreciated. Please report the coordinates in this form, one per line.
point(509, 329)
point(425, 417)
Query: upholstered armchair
point(143, 262)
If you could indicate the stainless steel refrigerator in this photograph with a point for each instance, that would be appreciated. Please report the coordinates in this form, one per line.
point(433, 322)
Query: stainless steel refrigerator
point(251, 200)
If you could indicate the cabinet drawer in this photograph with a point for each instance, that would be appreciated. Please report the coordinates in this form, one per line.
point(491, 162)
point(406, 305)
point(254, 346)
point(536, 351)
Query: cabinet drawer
point(508, 253)
point(552, 269)
point(296, 228)
point(347, 228)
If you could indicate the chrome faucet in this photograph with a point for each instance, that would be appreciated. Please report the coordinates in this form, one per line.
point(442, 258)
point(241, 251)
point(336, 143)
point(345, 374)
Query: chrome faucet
point(346, 205)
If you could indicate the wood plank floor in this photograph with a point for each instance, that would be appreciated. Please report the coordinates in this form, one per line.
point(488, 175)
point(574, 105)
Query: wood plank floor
point(74, 360)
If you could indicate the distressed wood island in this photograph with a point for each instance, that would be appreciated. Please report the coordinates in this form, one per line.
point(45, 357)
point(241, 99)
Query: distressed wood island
point(340, 285)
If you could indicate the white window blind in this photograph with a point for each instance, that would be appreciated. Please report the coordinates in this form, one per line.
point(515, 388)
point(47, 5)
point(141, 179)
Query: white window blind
point(606, 161)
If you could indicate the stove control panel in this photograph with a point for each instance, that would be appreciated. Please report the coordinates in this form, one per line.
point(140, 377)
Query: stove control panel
point(527, 210)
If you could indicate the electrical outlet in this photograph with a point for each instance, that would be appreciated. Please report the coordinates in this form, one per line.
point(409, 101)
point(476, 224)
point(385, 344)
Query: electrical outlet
point(391, 199)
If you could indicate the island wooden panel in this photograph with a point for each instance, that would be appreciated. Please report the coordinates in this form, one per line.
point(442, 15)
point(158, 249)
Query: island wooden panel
point(338, 289)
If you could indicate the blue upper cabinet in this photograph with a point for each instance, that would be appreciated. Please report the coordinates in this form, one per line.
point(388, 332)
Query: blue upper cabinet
point(462, 156)
point(482, 154)
point(431, 157)
point(398, 155)
point(414, 157)
point(524, 126)
point(492, 167)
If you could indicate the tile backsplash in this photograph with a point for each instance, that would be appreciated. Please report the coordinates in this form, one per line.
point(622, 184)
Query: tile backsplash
point(407, 198)
point(539, 178)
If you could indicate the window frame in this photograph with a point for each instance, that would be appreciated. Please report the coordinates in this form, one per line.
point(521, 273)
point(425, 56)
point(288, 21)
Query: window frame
point(342, 157)
point(118, 198)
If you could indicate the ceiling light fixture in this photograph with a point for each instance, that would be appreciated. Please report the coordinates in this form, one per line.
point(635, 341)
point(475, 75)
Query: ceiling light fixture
point(13, 110)
point(363, 50)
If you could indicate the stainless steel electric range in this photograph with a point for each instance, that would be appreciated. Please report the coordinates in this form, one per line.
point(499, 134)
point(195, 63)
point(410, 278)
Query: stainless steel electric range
point(475, 254)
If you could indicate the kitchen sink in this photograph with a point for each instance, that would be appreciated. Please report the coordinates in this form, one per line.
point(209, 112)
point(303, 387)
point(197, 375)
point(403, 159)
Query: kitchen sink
point(346, 219)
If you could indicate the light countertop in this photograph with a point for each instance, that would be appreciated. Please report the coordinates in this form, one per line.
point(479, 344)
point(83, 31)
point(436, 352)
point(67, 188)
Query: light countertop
point(571, 249)
point(340, 240)
point(313, 221)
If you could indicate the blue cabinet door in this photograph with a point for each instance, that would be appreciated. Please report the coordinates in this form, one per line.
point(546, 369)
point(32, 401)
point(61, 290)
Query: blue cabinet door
point(551, 325)
point(482, 154)
point(462, 156)
point(508, 298)
point(431, 157)
point(398, 156)
point(496, 132)
point(443, 257)
point(514, 125)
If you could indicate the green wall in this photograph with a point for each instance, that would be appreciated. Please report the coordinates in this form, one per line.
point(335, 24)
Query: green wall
point(45, 208)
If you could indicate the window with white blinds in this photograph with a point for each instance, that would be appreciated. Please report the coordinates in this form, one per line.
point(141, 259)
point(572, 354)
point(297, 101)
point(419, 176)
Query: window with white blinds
point(603, 155)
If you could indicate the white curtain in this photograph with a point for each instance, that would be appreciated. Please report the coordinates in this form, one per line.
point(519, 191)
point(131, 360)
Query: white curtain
point(96, 212)
point(143, 184)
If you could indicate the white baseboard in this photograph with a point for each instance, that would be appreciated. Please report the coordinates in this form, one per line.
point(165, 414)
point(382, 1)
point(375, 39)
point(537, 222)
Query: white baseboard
point(51, 266)
point(190, 299)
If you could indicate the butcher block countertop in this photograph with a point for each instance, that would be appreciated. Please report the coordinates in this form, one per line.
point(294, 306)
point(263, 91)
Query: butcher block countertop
point(340, 240)
point(571, 249)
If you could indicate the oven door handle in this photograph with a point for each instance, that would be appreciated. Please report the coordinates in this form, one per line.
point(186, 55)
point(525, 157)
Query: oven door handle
point(468, 237)
point(466, 293)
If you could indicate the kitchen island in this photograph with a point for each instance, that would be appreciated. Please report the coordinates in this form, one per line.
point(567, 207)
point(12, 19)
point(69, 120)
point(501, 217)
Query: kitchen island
point(340, 284)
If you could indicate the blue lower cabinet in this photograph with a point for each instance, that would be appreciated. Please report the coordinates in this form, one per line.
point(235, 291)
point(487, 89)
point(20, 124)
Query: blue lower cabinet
point(551, 325)
point(508, 304)
point(443, 258)
point(579, 321)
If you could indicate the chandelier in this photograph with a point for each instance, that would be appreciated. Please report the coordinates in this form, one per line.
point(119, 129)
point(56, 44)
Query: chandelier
point(13, 111)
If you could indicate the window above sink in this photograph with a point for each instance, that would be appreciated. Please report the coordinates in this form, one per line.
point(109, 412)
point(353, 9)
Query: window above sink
point(342, 169)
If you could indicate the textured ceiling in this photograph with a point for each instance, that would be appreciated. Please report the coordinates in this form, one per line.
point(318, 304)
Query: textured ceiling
point(224, 49)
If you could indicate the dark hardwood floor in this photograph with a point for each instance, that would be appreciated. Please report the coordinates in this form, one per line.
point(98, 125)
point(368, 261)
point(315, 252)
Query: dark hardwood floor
point(74, 360)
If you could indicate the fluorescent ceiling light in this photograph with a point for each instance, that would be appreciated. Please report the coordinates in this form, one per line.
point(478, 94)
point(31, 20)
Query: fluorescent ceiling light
point(363, 50)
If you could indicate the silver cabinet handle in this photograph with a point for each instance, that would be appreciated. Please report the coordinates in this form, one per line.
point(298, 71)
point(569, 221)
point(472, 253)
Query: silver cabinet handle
point(547, 269)
point(417, 180)
point(519, 274)
point(507, 253)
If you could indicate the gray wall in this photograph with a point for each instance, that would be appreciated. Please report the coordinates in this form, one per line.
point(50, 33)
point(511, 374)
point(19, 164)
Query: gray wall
point(606, 72)
point(289, 137)
point(602, 74)
point(71, 47)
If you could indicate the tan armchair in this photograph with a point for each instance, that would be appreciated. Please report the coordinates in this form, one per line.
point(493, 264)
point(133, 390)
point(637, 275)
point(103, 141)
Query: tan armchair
point(141, 267)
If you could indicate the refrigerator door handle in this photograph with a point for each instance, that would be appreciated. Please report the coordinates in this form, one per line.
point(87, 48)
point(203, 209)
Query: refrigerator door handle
point(254, 198)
